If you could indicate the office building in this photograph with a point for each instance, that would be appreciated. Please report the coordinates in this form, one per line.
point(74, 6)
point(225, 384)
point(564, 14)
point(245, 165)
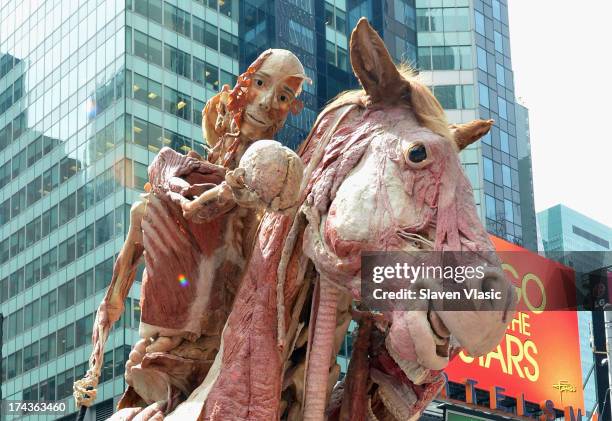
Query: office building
point(464, 55)
point(581, 242)
point(90, 91)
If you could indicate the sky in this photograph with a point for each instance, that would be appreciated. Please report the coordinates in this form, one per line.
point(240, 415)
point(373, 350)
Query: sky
point(563, 74)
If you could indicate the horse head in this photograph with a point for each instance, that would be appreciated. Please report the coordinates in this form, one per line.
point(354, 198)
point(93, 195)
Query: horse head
point(386, 176)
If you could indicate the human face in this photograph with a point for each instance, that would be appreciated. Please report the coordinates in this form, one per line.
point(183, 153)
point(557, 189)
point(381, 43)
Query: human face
point(271, 95)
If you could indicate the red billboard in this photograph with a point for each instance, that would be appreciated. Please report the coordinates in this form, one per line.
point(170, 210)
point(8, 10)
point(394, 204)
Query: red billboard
point(540, 354)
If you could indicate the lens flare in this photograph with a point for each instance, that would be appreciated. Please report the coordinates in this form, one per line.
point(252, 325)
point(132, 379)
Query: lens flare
point(183, 281)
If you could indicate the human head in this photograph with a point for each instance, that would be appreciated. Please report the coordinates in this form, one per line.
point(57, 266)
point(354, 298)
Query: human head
point(267, 92)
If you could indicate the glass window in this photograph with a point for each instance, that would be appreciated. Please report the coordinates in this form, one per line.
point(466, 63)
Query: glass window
point(141, 176)
point(66, 252)
point(490, 207)
point(85, 197)
point(33, 231)
point(228, 44)
point(48, 305)
point(4, 250)
point(341, 21)
point(329, 14)
point(65, 340)
point(14, 365)
point(31, 315)
point(84, 285)
point(330, 52)
point(508, 210)
point(85, 241)
point(68, 167)
point(479, 22)
point(32, 272)
point(211, 37)
point(65, 295)
point(505, 144)
point(496, 10)
point(34, 190)
point(67, 209)
point(488, 169)
point(18, 202)
point(449, 96)
point(500, 74)
point(50, 179)
point(104, 229)
point(5, 211)
point(6, 136)
point(47, 348)
point(499, 43)
point(199, 67)
point(177, 103)
point(483, 95)
point(212, 77)
point(19, 163)
point(147, 48)
point(19, 125)
point(229, 8)
point(50, 220)
point(177, 61)
point(140, 132)
point(226, 79)
point(424, 58)
point(300, 36)
point(47, 389)
point(5, 173)
point(506, 176)
point(482, 58)
point(179, 143)
point(468, 96)
point(139, 87)
point(84, 327)
point(502, 108)
point(104, 274)
point(34, 151)
point(149, 8)
point(48, 263)
point(17, 242)
point(64, 383)
point(30, 356)
point(177, 19)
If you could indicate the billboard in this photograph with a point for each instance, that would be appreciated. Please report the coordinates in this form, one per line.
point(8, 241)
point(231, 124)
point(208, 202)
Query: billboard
point(539, 356)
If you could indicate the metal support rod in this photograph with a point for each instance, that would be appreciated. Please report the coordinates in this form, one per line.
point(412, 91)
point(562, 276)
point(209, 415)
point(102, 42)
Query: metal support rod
point(608, 330)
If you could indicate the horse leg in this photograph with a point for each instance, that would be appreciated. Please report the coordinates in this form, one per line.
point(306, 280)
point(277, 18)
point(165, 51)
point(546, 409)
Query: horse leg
point(321, 352)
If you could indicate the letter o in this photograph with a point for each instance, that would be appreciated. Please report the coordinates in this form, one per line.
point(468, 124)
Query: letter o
point(538, 281)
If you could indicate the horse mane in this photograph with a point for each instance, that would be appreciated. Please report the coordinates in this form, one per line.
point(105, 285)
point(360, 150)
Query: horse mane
point(422, 102)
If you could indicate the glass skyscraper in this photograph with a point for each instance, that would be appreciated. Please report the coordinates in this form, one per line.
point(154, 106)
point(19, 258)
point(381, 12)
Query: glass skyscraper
point(90, 91)
point(564, 230)
point(464, 55)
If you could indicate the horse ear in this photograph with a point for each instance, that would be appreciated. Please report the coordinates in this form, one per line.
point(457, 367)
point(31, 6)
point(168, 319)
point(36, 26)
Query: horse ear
point(468, 133)
point(373, 65)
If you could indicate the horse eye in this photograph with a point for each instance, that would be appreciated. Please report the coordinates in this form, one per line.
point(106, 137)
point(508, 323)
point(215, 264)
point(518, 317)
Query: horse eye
point(417, 153)
point(259, 82)
point(283, 98)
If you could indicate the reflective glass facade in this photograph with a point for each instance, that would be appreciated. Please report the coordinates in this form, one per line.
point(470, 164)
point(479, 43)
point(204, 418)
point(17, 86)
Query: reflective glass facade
point(565, 230)
point(464, 55)
point(89, 92)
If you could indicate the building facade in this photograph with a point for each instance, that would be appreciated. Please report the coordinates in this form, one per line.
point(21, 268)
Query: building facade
point(464, 55)
point(583, 243)
point(90, 91)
